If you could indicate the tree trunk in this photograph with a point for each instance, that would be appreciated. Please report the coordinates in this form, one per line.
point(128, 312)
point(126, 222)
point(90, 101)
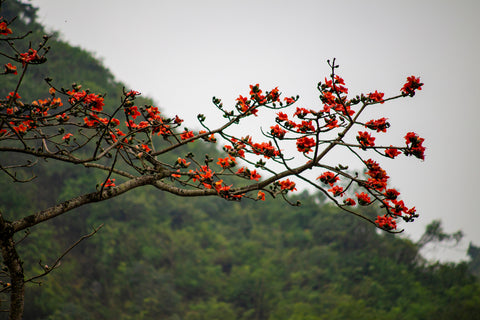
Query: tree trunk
point(15, 269)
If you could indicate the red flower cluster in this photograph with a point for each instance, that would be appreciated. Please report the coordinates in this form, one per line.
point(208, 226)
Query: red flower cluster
point(132, 112)
point(277, 132)
point(265, 148)
point(305, 127)
point(4, 29)
point(282, 116)
point(386, 222)
point(378, 177)
point(186, 135)
point(109, 183)
point(159, 125)
point(90, 99)
point(328, 178)
point(9, 68)
point(237, 149)
point(363, 198)
point(365, 140)
point(301, 113)
point(182, 163)
point(414, 145)
point(261, 195)
point(227, 162)
point(331, 123)
point(30, 56)
point(289, 100)
point(333, 96)
point(92, 120)
point(204, 176)
point(411, 85)
point(287, 185)
point(381, 125)
point(67, 137)
point(243, 105)
point(392, 152)
point(305, 144)
point(376, 96)
point(391, 194)
point(337, 191)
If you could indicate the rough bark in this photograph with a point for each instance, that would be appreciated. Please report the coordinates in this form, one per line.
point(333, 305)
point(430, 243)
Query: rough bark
point(15, 269)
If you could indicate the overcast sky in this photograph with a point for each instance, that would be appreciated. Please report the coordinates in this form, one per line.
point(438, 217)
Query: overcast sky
point(181, 53)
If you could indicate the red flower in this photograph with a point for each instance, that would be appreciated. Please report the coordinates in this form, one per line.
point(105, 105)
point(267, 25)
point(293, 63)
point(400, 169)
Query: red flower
point(265, 149)
point(328, 178)
point(392, 152)
point(327, 98)
point(277, 132)
point(301, 113)
point(256, 94)
point(227, 162)
point(186, 135)
point(67, 136)
point(261, 195)
point(337, 191)
point(305, 144)
point(9, 68)
point(177, 120)
point(204, 176)
point(411, 211)
point(378, 176)
point(289, 100)
point(183, 163)
point(380, 125)
point(344, 109)
point(411, 85)
point(220, 187)
point(95, 101)
point(282, 116)
point(30, 56)
point(4, 29)
point(391, 194)
point(363, 198)
point(287, 185)
point(386, 222)
point(398, 208)
point(365, 139)
point(349, 202)
point(331, 123)
point(109, 183)
point(13, 95)
point(254, 175)
point(376, 96)
point(339, 89)
point(305, 126)
point(132, 93)
point(132, 111)
point(274, 95)
point(243, 104)
point(175, 175)
point(414, 145)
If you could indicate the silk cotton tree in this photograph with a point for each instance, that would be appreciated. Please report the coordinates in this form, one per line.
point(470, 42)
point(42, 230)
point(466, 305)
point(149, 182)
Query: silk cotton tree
point(128, 144)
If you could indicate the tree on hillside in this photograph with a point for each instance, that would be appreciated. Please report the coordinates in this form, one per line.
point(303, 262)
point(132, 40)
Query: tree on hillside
point(131, 147)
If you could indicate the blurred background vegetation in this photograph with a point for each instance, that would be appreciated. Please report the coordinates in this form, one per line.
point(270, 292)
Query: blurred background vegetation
point(164, 257)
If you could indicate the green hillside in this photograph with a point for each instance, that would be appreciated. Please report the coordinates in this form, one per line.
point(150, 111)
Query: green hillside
point(163, 257)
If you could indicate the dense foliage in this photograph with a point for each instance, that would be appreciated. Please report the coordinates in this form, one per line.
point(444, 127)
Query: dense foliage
point(160, 257)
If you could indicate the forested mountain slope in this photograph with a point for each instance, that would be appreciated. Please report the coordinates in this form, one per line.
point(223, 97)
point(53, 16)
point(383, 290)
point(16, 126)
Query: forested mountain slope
point(164, 257)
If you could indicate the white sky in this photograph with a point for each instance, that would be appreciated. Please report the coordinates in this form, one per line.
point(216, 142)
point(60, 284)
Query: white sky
point(181, 53)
